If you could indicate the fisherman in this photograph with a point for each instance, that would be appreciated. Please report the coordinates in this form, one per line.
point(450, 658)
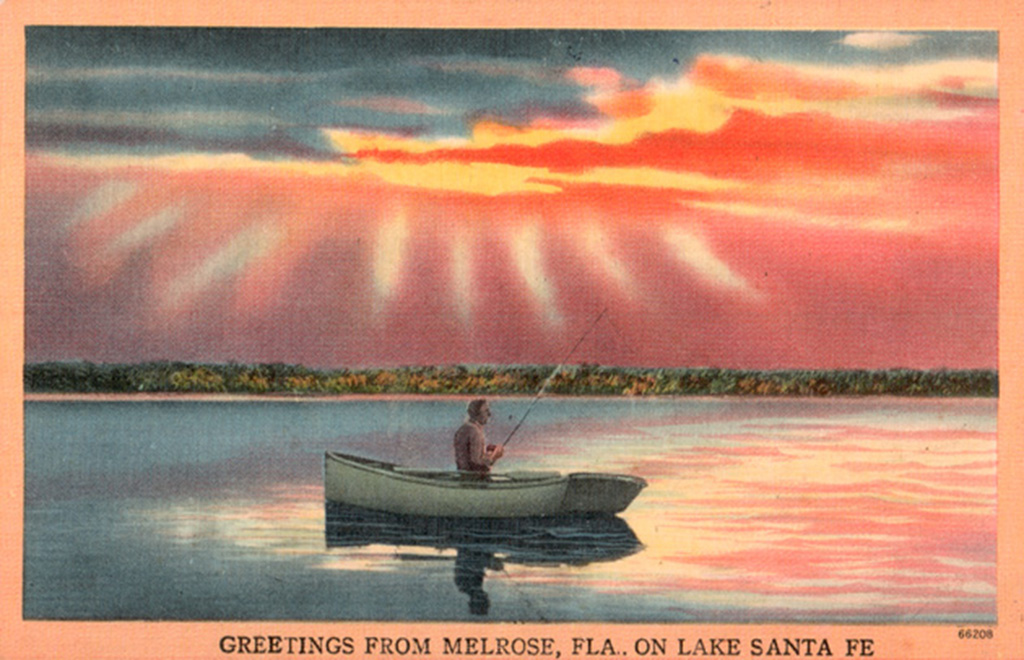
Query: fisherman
point(472, 453)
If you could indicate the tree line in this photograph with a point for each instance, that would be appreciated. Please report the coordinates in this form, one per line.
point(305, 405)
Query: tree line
point(181, 377)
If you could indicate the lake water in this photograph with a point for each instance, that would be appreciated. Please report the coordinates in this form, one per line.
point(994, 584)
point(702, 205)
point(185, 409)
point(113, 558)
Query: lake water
point(757, 510)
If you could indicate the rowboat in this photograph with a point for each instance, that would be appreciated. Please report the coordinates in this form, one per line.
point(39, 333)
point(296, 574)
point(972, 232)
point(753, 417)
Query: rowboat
point(380, 486)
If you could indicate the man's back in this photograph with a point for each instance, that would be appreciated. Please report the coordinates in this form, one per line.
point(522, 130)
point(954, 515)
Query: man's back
point(470, 449)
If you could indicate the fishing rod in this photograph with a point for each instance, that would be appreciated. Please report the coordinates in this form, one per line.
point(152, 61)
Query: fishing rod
point(548, 380)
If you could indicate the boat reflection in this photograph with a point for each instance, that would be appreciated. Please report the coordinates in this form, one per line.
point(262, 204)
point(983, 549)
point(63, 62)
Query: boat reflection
point(483, 544)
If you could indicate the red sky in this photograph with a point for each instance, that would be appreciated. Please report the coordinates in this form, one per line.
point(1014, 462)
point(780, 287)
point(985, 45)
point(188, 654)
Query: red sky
point(741, 213)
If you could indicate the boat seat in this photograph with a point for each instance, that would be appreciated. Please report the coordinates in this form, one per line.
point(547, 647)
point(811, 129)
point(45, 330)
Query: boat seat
point(518, 475)
point(529, 475)
point(424, 472)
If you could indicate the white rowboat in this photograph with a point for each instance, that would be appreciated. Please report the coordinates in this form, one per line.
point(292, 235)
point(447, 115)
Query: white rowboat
point(381, 486)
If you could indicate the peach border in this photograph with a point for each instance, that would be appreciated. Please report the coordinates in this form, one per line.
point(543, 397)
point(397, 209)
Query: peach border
point(21, 639)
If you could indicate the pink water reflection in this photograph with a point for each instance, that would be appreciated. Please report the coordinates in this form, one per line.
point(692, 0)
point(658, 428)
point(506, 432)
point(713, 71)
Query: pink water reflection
point(856, 514)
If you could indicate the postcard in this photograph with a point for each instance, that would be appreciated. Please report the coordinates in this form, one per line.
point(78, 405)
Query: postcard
point(519, 330)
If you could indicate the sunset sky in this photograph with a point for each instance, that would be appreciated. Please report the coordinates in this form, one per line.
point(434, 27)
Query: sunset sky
point(353, 198)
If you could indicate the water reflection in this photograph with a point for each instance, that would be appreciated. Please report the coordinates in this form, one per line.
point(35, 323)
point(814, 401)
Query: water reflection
point(889, 504)
point(470, 567)
point(483, 545)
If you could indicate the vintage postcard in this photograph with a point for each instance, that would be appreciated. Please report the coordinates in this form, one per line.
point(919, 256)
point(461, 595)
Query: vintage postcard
point(527, 330)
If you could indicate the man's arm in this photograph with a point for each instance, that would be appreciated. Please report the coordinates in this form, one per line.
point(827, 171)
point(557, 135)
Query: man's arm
point(481, 454)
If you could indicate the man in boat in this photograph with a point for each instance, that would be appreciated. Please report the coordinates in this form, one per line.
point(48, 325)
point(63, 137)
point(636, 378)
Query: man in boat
point(472, 453)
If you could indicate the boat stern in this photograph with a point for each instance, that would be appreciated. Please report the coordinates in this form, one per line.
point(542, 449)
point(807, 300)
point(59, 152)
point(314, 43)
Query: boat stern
point(601, 493)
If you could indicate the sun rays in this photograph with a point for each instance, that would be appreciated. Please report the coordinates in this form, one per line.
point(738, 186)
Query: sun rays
point(529, 262)
point(694, 252)
point(389, 254)
point(234, 249)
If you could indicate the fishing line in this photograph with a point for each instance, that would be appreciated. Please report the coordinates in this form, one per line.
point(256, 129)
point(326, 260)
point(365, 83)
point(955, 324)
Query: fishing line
point(530, 604)
point(548, 380)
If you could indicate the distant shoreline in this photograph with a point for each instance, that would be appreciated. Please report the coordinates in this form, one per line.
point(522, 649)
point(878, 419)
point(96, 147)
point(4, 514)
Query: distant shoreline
point(171, 397)
point(242, 397)
point(178, 380)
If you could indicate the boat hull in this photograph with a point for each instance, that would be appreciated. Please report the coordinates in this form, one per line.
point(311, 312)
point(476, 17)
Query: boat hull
point(385, 487)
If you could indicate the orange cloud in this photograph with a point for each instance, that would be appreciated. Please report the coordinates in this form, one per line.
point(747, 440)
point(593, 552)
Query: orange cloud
point(728, 122)
point(625, 105)
point(597, 77)
point(778, 88)
point(744, 78)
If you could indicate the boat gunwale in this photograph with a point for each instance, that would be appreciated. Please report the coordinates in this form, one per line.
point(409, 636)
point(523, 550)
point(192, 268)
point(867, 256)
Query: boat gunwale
point(467, 483)
point(640, 481)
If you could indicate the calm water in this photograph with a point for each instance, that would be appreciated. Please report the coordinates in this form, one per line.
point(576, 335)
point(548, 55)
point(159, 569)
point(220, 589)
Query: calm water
point(877, 510)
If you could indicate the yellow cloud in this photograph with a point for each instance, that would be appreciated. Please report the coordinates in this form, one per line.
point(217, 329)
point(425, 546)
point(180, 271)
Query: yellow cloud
point(478, 178)
point(648, 177)
point(670, 107)
point(351, 142)
point(487, 134)
point(673, 107)
point(496, 179)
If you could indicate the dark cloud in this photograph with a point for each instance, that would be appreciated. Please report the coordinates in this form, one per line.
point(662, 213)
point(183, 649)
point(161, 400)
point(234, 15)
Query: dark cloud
point(301, 80)
point(77, 136)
